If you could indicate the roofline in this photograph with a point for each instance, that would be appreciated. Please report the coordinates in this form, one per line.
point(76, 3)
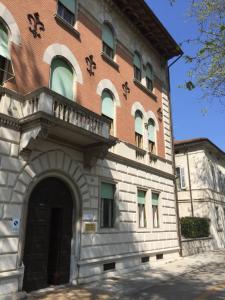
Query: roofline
point(142, 16)
point(162, 26)
point(195, 142)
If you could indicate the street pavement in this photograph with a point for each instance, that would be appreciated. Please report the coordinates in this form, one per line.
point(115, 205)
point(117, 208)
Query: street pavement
point(197, 277)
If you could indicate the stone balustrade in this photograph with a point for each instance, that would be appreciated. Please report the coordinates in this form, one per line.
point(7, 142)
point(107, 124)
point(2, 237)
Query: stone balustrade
point(48, 102)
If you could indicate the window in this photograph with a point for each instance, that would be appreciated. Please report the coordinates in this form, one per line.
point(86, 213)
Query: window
point(62, 78)
point(149, 77)
point(151, 136)
point(141, 209)
point(180, 178)
point(108, 108)
point(66, 10)
point(6, 71)
point(108, 40)
point(107, 205)
point(138, 129)
point(213, 176)
point(137, 66)
point(155, 210)
point(217, 216)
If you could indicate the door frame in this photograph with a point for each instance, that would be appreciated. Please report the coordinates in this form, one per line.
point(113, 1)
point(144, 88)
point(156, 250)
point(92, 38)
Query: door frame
point(76, 223)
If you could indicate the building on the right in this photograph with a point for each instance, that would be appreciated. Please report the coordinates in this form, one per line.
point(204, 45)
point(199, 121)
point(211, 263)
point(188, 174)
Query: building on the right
point(200, 177)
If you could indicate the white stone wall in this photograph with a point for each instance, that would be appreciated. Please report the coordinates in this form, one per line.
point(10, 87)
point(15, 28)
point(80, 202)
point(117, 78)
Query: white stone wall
point(167, 126)
point(124, 244)
point(207, 193)
point(195, 246)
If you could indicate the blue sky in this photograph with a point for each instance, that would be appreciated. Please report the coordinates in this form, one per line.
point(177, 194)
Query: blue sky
point(189, 117)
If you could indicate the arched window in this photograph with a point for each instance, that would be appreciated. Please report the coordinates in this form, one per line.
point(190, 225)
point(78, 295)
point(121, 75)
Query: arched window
point(108, 108)
point(151, 136)
point(108, 41)
point(149, 77)
point(6, 71)
point(137, 66)
point(62, 77)
point(139, 129)
point(66, 10)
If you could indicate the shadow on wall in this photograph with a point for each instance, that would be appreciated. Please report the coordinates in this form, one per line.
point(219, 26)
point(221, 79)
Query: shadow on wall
point(27, 68)
point(212, 180)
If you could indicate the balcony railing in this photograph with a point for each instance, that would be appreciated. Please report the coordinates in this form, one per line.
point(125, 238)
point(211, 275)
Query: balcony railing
point(44, 100)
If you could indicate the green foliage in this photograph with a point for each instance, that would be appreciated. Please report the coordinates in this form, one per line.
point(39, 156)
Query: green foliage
point(209, 60)
point(194, 227)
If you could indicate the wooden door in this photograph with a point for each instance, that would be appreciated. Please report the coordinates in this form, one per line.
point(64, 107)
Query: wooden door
point(48, 235)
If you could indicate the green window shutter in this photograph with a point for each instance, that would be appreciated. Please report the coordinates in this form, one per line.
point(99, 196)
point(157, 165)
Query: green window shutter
point(107, 105)
point(69, 4)
point(155, 199)
point(107, 36)
point(107, 190)
point(149, 71)
point(4, 40)
point(62, 78)
point(141, 197)
point(138, 123)
point(137, 61)
point(151, 130)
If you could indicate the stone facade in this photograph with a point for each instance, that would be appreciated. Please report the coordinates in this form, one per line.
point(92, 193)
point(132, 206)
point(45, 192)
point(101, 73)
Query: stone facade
point(44, 135)
point(195, 246)
point(203, 193)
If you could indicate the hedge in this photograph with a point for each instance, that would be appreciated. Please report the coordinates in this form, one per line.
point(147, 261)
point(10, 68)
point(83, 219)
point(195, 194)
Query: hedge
point(194, 227)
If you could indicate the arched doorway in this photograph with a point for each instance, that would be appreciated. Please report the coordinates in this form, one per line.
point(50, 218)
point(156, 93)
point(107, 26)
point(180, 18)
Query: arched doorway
point(48, 235)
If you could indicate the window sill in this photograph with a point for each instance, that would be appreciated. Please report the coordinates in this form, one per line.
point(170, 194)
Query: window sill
point(110, 61)
point(153, 157)
point(144, 89)
point(140, 151)
point(67, 26)
point(107, 230)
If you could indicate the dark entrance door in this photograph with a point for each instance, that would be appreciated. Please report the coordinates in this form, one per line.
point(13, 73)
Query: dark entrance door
point(48, 235)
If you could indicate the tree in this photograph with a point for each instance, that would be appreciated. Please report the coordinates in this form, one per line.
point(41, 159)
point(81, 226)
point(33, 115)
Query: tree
point(208, 71)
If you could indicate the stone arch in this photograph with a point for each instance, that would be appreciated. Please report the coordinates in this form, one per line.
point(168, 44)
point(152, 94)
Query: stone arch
point(107, 84)
point(151, 115)
point(137, 106)
point(53, 161)
point(62, 50)
point(8, 18)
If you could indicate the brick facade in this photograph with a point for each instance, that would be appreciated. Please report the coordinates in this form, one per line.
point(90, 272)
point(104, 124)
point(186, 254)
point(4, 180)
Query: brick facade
point(37, 141)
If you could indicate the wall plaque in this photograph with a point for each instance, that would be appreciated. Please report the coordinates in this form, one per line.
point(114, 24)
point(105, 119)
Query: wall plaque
point(90, 227)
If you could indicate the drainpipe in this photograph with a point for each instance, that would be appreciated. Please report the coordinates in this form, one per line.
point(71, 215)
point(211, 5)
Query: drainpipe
point(173, 162)
point(189, 179)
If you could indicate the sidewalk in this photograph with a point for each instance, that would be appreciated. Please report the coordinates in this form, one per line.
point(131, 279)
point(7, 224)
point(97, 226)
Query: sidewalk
point(121, 287)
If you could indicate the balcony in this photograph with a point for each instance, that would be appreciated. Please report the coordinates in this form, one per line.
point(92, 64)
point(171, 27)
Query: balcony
point(50, 116)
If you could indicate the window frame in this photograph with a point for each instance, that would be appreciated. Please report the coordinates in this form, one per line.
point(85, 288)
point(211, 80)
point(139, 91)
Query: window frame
point(73, 71)
point(138, 136)
point(106, 49)
point(112, 204)
point(152, 143)
point(181, 176)
point(155, 208)
point(66, 10)
point(149, 79)
point(7, 71)
point(141, 210)
point(112, 121)
point(137, 71)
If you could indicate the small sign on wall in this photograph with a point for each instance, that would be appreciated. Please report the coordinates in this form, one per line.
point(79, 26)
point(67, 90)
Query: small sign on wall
point(90, 227)
point(15, 225)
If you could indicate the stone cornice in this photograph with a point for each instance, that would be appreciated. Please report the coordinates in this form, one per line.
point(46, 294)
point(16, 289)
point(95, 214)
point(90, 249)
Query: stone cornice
point(140, 166)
